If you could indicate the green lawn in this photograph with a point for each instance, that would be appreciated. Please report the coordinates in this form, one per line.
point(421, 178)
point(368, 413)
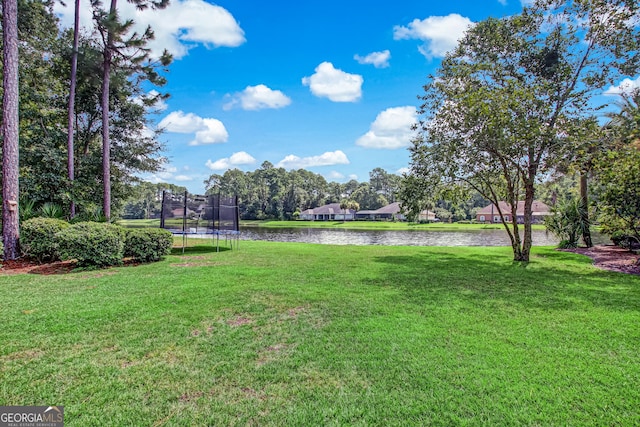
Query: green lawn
point(298, 334)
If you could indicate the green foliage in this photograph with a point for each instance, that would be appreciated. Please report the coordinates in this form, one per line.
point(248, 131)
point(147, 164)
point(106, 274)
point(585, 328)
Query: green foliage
point(90, 213)
point(624, 239)
point(505, 104)
point(148, 244)
point(443, 214)
point(275, 193)
point(45, 52)
point(93, 244)
point(619, 192)
point(51, 210)
point(566, 222)
point(39, 238)
point(27, 209)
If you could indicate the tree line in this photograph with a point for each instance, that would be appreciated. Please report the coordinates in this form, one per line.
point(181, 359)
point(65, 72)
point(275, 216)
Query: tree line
point(271, 192)
point(75, 111)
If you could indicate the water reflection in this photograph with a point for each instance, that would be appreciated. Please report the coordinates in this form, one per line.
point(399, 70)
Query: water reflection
point(331, 236)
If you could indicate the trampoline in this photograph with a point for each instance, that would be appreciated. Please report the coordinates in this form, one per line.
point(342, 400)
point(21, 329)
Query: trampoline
point(193, 214)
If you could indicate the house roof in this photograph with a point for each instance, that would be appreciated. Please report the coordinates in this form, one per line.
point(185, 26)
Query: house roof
point(392, 208)
point(537, 208)
point(330, 209)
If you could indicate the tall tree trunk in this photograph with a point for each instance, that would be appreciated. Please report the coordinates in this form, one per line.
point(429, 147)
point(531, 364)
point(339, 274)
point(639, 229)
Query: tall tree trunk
point(584, 212)
point(106, 145)
point(72, 100)
point(10, 126)
point(527, 240)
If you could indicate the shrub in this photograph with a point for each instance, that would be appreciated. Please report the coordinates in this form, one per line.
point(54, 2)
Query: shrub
point(51, 210)
point(38, 238)
point(93, 244)
point(567, 223)
point(90, 213)
point(148, 244)
point(624, 239)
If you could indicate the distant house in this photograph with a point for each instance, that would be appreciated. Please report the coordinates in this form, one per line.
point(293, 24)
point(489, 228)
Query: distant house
point(426, 216)
point(330, 212)
point(392, 211)
point(490, 213)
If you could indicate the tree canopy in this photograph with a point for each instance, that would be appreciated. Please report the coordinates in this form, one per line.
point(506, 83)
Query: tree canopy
point(512, 96)
point(44, 67)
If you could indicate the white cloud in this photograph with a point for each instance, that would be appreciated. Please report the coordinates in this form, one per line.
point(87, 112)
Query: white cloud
point(236, 159)
point(391, 129)
point(627, 86)
point(402, 171)
point(326, 159)
point(167, 172)
point(257, 98)
point(182, 178)
point(377, 59)
point(178, 27)
point(335, 175)
point(163, 175)
point(503, 2)
point(353, 176)
point(334, 84)
point(440, 33)
point(207, 130)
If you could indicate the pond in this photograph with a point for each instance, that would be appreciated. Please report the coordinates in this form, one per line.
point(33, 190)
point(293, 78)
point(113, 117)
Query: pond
point(331, 236)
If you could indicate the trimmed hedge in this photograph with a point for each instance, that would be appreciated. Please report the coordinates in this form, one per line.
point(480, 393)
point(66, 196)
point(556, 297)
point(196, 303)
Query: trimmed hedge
point(93, 244)
point(38, 238)
point(148, 244)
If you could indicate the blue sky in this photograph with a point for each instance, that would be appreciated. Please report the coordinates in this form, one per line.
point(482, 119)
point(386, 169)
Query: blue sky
point(330, 86)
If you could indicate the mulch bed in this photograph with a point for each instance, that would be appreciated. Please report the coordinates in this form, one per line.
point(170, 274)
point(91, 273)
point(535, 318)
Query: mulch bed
point(24, 266)
point(612, 258)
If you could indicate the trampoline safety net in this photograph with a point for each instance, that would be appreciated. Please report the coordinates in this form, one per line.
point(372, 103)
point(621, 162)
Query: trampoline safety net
point(196, 214)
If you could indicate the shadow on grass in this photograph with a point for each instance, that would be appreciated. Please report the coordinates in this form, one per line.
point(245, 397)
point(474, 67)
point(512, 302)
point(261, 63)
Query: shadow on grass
point(559, 283)
point(199, 249)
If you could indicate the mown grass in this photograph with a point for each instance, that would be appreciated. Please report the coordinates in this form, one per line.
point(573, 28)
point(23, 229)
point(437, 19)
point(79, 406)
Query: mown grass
point(298, 334)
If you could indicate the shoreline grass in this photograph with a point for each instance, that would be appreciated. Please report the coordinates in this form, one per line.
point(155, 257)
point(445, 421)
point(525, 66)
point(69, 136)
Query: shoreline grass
point(302, 334)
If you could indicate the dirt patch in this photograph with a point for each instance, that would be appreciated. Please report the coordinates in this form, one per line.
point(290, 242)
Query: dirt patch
point(23, 355)
point(239, 321)
point(294, 312)
point(612, 258)
point(188, 397)
point(271, 353)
